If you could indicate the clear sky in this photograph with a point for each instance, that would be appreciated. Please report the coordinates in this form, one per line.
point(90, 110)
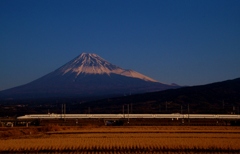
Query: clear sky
point(188, 42)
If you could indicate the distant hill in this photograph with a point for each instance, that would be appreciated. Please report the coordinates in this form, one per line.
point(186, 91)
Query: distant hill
point(219, 97)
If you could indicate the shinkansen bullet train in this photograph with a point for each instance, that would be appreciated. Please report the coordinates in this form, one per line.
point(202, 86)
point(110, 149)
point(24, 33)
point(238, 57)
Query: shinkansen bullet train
point(119, 116)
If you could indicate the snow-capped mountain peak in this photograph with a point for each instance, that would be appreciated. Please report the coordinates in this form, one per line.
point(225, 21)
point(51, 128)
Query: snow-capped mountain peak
point(85, 76)
point(90, 63)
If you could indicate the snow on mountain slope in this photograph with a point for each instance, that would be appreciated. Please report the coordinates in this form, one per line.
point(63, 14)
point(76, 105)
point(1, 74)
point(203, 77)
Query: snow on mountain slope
point(134, 74)
point(89, 63)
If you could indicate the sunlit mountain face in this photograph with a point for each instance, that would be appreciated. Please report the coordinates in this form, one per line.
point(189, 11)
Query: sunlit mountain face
point(88, 63)
point(87, 75)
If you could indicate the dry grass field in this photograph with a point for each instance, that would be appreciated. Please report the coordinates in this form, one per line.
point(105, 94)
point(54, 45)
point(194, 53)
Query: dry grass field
point(147, 139)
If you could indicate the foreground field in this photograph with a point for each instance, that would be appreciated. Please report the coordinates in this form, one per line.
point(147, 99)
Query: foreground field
point(125, 140)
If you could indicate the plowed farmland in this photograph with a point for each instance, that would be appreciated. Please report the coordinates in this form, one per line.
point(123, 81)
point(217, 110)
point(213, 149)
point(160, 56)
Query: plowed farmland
point(165, 139)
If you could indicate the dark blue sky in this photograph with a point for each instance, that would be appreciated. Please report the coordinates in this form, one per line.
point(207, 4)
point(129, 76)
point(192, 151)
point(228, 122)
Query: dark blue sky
point(188, 42)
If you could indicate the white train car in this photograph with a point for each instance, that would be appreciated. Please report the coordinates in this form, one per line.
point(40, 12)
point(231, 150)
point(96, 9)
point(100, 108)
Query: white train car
point(40, 116)
point(136, 116)
point(202, 116)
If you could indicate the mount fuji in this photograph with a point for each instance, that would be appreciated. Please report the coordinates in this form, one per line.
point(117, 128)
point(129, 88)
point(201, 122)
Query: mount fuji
point(85, 76)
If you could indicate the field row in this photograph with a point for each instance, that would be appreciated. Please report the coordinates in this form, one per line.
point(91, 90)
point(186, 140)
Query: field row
point(106, 140)
point(115, 150)
point(16, 132)
point(124, 143)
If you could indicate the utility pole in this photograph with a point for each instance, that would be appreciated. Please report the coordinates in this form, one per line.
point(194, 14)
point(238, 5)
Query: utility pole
point(128, 113)
point(188, 113)
point(64, 112)
point(166, 106)
point(131, 109)
point(223, 104)
point(123, 111)
point(89, 109)
point(182, 114)
point(181, 109)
